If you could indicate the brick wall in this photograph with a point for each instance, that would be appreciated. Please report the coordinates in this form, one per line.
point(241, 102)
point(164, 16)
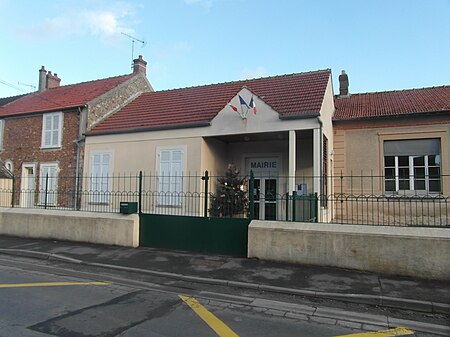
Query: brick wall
point(22, 144)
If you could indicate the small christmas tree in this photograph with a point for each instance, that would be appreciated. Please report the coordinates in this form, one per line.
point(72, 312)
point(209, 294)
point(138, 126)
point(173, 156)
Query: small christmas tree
point(230, 197)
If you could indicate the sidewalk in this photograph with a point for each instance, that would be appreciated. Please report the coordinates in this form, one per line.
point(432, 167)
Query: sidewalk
point(311, 281)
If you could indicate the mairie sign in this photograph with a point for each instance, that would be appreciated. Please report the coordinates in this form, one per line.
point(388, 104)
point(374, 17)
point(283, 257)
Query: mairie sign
point(263, 164)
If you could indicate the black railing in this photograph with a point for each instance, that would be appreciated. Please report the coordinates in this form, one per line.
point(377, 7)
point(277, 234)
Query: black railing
point(353, 199)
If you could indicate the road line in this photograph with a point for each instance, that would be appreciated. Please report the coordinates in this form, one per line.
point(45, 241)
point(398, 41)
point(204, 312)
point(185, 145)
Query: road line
point(214, 323)
point(51, 284)
point(399, 331)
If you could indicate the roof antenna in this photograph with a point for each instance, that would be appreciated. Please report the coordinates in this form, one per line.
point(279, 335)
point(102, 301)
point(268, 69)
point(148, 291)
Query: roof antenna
point(133, 40)
point(27, 85)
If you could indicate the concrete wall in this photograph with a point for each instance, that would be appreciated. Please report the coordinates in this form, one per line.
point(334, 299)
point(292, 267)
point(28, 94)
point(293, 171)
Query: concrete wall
point(100, 228)
point(406, 251)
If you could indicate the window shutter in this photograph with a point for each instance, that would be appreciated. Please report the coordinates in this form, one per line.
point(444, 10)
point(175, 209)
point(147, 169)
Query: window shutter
point(47, 130)
point(55, 130)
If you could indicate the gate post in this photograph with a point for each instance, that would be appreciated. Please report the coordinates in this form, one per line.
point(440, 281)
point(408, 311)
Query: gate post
point(251, 187)
point(140, 192)
point(294, 197)
point(46, 191)
point(13, 190)
point(206, 179)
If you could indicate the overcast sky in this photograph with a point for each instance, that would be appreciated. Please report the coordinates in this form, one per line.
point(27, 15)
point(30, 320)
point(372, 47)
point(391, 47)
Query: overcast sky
point(383, 45)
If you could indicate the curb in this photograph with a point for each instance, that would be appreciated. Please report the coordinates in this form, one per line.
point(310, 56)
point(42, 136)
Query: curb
point(379, 300)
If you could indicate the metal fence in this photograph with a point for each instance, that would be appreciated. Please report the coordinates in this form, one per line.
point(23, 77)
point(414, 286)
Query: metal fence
point(353, 199)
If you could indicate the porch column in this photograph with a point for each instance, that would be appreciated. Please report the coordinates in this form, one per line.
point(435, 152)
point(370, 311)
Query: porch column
point(317, 159)
point(292, 161)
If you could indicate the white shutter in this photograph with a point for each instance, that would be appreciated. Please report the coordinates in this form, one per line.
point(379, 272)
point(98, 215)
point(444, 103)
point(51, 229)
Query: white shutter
point(52, 130)
point(100, 180)
point(170, 177)
point(47, 131)
point(55, 130)
point(48, 187)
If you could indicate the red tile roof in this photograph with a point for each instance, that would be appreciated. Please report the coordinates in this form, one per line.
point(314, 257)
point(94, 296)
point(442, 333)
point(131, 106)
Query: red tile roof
point(68, 96)
point(294, 95)
point(6, 100)
point(393, 103)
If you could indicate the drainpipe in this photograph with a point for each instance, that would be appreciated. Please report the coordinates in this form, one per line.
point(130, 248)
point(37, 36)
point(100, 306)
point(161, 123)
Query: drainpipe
point(321, 162)
point(78, 141)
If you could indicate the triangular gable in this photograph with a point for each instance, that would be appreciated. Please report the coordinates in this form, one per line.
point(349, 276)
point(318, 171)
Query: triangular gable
point(239, 112)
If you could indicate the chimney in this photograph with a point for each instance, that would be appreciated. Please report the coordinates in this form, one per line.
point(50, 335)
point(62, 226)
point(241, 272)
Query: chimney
point(139, 65)
point(53, 81)
point(343, 84)
point(42, 79)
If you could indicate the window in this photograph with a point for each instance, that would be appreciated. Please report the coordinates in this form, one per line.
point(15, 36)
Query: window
point(100, 177)
point(2, 128)
point(10, 166)
point(412, 165)
point(170, 176)
point(48, 184)
point(52, 130)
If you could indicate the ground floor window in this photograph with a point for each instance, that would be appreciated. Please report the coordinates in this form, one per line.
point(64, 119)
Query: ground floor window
point(170, 176)
point(48, 180)
point(412, 165)
point(100, 177)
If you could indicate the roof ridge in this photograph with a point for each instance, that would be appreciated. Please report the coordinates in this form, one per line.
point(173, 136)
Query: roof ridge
point(91, 81)
point(397, 90)
point(244, 80)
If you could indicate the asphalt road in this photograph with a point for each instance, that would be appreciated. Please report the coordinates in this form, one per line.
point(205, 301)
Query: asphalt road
point(38, 298)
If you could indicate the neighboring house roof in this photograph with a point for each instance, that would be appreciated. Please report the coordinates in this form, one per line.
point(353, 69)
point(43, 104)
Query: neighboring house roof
point(64, 97)
point(6, 100)
point(392, 103)
point(292, 96)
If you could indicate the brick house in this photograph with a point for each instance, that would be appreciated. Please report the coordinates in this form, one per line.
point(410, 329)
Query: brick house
point(42, 133)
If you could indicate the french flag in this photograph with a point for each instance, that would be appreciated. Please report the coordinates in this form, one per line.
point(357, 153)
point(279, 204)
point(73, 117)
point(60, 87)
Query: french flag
point(252, 106)
point(233, 107)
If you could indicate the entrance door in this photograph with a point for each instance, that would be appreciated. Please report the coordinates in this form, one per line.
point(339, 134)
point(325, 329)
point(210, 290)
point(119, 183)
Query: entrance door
point(265, 197)
point(28, 185)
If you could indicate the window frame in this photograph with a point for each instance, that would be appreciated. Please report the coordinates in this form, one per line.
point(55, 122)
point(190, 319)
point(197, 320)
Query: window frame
point(52, 198)
point(52, 130)
point(405, 169)
point(94, 196)
point(167, 198)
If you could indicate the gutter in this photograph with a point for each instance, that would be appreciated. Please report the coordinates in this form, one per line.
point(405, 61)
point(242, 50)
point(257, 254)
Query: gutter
point(152, 128)
point(300, 116)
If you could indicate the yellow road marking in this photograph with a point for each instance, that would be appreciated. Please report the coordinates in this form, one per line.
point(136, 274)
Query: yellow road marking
point(50, 284)
point(214, 323)
point(399, 331)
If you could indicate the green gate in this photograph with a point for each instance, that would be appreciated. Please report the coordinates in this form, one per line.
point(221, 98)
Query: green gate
point(200, 234)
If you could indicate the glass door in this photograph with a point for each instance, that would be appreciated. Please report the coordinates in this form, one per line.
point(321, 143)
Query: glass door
point(265, 198)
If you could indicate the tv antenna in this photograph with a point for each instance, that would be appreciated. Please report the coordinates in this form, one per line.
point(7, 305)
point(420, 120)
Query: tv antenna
point(27, 85)
point(133, 41)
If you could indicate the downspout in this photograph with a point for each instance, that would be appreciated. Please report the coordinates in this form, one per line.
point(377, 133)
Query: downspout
point(321, 160)
point(77, 166)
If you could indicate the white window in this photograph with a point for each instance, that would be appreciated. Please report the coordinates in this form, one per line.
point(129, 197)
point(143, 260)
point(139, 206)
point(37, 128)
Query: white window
point(48, 184)
point(170, 176)
point(100, 177)
point(52, 130)
point(412, 165)
point(2, 127)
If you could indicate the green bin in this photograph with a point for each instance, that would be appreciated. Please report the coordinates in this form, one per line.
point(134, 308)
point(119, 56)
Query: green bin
point(128, 207)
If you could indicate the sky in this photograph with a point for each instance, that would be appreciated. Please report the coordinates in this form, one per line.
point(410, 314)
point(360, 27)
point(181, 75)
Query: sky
point(382, 45)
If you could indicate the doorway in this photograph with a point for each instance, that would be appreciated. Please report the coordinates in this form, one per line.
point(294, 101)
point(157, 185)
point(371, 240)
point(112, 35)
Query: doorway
point(28, 185)
point(265, 198)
